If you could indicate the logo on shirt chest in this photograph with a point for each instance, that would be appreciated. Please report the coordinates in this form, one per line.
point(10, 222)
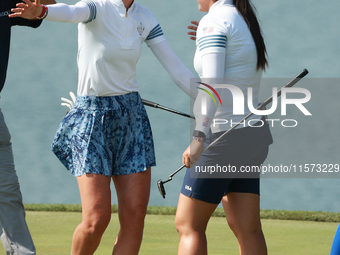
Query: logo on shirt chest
point(140, 28)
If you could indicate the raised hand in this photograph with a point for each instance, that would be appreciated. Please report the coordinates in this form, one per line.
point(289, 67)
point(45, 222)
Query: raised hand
point(27, 10)
point(194, 28)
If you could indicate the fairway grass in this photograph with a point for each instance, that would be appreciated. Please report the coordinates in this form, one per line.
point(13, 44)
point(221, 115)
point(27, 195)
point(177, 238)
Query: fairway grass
point(52, 233)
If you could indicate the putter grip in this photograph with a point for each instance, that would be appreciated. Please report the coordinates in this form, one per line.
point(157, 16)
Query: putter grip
point(149, 103)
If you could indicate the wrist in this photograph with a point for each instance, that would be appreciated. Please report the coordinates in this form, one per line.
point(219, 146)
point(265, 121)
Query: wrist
point(199, 134)
point(200, 139)
point(43, 13)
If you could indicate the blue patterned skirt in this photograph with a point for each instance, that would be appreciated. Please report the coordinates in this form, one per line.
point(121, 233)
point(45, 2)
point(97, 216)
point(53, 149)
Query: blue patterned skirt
point(105, 135)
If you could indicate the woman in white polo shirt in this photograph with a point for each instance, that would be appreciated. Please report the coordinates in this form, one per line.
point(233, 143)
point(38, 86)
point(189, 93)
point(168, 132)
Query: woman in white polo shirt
point(107, 133)
point(230, 51)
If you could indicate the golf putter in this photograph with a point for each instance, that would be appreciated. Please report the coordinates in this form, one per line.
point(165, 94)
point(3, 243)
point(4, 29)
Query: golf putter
point(302, 74)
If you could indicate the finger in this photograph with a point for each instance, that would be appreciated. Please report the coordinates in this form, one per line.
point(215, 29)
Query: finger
point(194, 23)
point(186, 160)
point(21, 5)
point(192, 33)
point(193, 38)
point(67, 105)
point(28, 2)
point(192, 28)
point(67, 100)
point(73, 96)
point(15, 15)
point(17, 10)
point(37, 2)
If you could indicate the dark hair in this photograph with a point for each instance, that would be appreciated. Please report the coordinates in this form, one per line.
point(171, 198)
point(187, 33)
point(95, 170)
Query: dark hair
point(247, 10)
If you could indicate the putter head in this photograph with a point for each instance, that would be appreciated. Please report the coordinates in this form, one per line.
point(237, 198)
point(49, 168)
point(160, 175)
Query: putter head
point(161, 189)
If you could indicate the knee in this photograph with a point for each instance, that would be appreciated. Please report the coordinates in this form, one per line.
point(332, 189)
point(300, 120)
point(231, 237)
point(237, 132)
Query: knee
point(133, 214)
point(183, 227)
point(242, 230)
point(96, 223)
point(233, 226)
point(179, 223)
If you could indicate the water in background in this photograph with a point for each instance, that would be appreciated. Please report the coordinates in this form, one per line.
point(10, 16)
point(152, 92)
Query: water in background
point(299, 34)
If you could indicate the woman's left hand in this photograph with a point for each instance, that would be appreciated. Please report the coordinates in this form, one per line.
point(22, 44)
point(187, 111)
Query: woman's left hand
point(27, 10)
point(192, 153)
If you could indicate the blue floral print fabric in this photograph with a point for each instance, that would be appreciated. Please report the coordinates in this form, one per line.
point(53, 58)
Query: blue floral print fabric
point(105, 135)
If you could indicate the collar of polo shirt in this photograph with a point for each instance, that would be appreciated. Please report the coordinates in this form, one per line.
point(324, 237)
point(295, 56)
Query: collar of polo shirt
point(230, 2)
point(121, 7)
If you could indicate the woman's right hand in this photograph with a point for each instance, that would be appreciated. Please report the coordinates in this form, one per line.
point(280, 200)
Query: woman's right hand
point(194, 29)
point(27, 10)
point(193, 153)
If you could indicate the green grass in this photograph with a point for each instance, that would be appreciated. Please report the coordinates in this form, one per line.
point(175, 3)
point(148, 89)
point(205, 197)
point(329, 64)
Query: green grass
point(52, 233)
point(171, 210)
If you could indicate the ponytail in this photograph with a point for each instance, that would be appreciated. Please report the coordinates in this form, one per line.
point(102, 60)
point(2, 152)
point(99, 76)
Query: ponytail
point(247, 10)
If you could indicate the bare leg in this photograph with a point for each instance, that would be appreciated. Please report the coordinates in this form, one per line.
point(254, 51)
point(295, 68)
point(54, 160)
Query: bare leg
point(243, 216)
point(133, 192)
point(191, 221)
point(95, 196)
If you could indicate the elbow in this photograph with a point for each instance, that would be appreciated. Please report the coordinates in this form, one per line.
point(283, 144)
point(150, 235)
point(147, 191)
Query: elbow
point(181, 85)
point(73, 17)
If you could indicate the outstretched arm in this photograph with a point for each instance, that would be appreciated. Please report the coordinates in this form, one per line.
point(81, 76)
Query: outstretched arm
point(80, 12)
point(178, 72)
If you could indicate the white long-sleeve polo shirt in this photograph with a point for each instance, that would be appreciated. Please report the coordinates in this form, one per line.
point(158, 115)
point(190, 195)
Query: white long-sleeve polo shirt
point(226, 54)
point(109, 45)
